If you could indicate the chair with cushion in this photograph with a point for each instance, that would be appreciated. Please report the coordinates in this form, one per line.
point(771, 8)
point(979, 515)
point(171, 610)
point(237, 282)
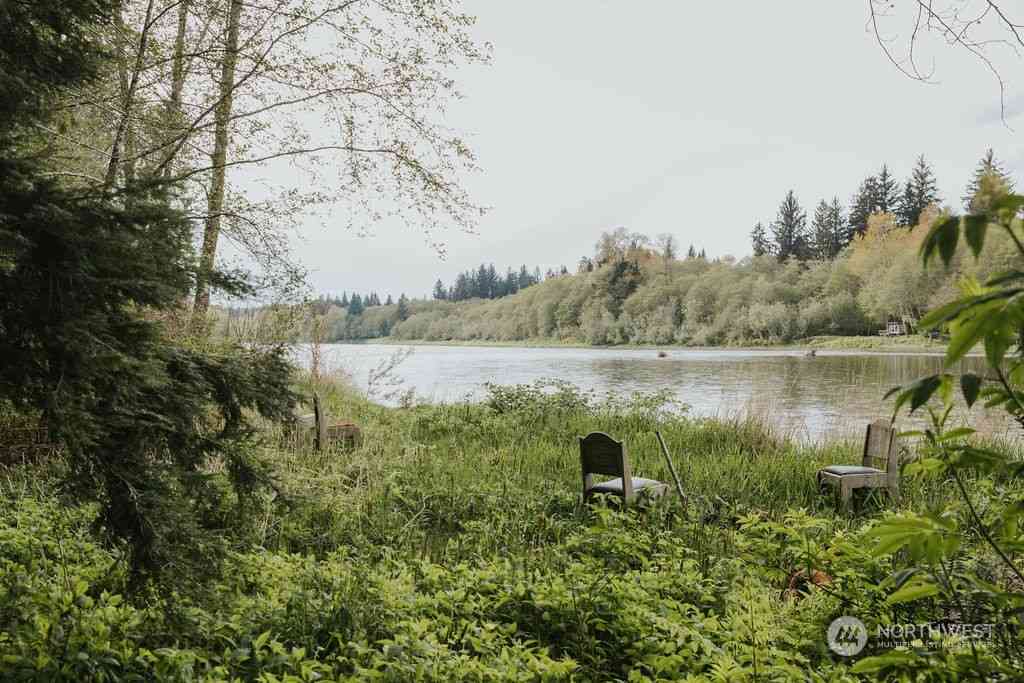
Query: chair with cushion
point(601, 454)
point(879, 468)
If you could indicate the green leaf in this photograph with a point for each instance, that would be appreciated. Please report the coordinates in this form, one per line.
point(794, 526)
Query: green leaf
point(970, 384)
point(914, 590)
point(954, 434)
point(974, 232)
point(942, 236)
point(895, 658)
point(922, 390)
point(260, 641)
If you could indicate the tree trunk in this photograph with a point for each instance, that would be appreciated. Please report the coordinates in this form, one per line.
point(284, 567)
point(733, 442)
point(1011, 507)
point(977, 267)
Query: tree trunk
point(177, 74)
point(215, 204)
point(128, 93)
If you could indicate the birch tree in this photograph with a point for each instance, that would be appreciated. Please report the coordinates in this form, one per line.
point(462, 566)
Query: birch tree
point(268, 112)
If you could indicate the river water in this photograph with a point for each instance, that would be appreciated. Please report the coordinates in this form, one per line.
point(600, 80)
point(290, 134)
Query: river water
point(833, 394)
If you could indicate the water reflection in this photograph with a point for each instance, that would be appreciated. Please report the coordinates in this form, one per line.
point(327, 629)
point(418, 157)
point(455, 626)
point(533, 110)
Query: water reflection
point(832, 394)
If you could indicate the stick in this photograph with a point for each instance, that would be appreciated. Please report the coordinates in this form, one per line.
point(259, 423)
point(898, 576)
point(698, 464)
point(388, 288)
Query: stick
point(671, 467)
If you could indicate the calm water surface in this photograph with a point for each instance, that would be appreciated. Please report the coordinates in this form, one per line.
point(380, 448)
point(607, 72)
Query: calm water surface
point(833, 394)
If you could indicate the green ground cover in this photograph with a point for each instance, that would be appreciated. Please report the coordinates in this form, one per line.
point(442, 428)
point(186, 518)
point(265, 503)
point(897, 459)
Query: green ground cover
point(451, 546)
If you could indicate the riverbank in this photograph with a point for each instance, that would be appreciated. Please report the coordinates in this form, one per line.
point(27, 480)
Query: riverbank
point(877, 344)
point(450, 546)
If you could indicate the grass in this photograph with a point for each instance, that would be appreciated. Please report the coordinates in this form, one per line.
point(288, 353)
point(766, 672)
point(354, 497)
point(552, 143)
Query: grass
point(451, 545)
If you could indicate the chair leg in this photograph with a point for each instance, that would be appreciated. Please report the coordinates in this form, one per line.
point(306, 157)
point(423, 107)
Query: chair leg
point(845, 494)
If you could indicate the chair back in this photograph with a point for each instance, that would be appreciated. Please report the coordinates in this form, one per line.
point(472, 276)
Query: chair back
point(601, 454)
point(881, 449)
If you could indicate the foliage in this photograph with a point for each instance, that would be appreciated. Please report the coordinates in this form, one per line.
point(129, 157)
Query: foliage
point(84, 278)
point(986, 583)
point(450, 546)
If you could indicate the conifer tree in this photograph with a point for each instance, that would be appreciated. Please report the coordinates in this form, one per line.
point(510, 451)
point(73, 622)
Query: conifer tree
point(524, 277)
point(389, 301)
point(862, 206)
point(355, 305)
point(920, 192)
point(440, 293)
point(759, 240)
point(790, 229)
point(84, 280)
point(886, 192)
point(987, 166)
point(691, 253)
point(402, 313)
point(841, 236)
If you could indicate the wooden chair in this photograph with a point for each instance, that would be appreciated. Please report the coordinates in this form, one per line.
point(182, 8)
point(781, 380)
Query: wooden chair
point(325, 432)
point(601, 454)
point(879, 468)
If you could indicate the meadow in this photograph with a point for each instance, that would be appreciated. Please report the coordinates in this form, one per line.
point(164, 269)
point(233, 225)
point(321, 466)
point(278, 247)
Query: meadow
point(452, 545)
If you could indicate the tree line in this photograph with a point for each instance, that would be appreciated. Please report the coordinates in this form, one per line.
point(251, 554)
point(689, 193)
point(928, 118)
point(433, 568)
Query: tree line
point(484, 282)
point(832, 227)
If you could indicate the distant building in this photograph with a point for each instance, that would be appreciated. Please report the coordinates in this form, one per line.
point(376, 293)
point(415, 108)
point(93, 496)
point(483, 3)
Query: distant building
point(895, 328)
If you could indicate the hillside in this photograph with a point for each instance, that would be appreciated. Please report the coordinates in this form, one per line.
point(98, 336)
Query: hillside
point(636, 296)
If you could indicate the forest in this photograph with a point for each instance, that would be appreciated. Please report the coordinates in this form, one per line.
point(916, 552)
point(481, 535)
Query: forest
point(635, 290)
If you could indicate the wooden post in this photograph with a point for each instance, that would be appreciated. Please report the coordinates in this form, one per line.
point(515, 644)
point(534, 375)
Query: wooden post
point(671, 467)
point(319, 424)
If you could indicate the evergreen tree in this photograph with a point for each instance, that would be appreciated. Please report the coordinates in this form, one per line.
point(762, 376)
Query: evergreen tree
point(355, 305)
point(822, 232)
point(886, 192)
point(989, 166)
point(919, 193)
point(403, 308)
point(758, 240)
point(691, 252)
point(790, 229)
point(344, 300)
point(389, 302)
point(84, 279)
point(524, 277)
point(841, 233)
point(511, 285)
point(703, 255)
point(491, 285)
point(828, 230)
point(862, 206)
point(440, 293)
point(462, 289)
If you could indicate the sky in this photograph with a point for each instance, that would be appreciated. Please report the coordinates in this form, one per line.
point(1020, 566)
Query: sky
point(692, 119)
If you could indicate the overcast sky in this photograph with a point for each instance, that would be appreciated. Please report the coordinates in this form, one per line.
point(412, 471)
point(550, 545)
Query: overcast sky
point(687, 118)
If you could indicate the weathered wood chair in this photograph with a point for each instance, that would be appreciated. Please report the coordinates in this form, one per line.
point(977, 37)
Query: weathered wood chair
point(601, 454)
point(325, 432)
point(879, 468)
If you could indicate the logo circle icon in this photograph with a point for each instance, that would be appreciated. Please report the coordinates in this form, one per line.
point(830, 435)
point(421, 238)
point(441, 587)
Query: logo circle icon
point(847, 636)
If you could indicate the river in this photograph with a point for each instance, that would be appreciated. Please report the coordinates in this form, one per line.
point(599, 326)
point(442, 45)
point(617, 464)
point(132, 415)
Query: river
point(830, 395)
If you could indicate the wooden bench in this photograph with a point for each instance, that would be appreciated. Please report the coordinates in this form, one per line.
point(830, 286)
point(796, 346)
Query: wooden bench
point(879, 468)
point(601, 454)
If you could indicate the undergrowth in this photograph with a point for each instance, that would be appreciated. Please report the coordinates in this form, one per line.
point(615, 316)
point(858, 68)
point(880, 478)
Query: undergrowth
point(451, 545)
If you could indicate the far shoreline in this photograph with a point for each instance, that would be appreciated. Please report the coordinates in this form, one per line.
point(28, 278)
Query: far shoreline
point(911, 344)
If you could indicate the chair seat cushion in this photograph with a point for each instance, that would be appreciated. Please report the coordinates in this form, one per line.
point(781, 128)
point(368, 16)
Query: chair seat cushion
point(615, 485)
point(851, 469)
